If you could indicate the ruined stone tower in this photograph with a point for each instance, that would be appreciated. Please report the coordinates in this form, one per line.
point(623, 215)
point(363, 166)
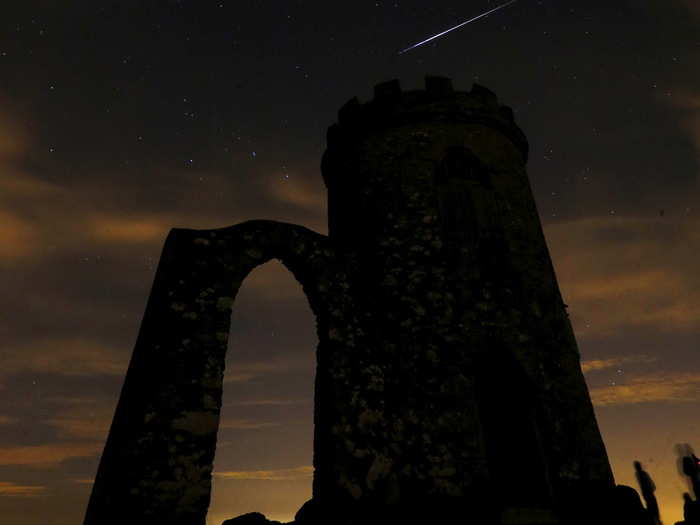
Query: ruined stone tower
point(448, 377)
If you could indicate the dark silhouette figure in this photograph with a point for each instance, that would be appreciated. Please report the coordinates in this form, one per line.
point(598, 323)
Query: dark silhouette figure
point(647, 486)
point(689, 465)
point(691, 510)
point(691, 468)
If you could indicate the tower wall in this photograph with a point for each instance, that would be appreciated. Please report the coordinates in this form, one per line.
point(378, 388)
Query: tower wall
point(429, 188)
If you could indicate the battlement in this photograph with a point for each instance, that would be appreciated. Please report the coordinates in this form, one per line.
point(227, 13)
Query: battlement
point(439, 102)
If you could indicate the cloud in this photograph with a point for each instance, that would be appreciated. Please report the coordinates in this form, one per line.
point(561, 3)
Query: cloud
point(131, 230)
point(80, 418)
point(63, 356)
point(81, 426)
point(602, 364)
point(680, 388)
point(242, 372)
point(244, 424)
point(18, 238)
point(22, 185)
point(84, 481)
point(70, 400)
point(299, 191)
point(628, 271)
point(8, 488)
point(40, 218)
point(14, 138)
point(31, 207)
point(304, 472)
point(48, 456)
point(269, 402)
point(608, 288)
point(19, 234)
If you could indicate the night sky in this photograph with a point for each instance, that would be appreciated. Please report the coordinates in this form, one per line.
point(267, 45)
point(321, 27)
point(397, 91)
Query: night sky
point(121, 120)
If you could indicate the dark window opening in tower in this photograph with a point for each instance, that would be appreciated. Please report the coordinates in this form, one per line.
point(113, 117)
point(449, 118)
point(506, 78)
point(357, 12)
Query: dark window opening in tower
point(509, 422)
point(264, 451)
point(460, 164)
point(457, 176)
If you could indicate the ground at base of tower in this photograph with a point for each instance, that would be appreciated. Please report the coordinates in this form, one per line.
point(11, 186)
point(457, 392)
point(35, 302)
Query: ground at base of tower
point(621, 509)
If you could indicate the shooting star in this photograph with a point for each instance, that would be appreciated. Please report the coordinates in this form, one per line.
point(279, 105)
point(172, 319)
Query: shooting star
point(458, 26)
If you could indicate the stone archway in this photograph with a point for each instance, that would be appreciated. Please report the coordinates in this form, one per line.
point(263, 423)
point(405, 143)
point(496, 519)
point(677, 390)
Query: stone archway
point(264, 448)
point(158, 457)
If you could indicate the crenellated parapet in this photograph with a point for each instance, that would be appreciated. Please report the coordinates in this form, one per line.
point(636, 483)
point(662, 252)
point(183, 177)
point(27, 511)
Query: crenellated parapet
point(439, 103)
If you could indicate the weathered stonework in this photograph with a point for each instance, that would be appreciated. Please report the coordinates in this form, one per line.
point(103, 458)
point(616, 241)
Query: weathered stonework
point(447, 371)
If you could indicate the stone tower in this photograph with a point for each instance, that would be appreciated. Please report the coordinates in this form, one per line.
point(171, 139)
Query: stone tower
point(448, 378)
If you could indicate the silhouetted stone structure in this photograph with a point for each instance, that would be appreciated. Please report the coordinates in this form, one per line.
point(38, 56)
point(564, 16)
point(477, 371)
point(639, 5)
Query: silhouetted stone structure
point(252, 518)
point(625, 508)
point(448, 378)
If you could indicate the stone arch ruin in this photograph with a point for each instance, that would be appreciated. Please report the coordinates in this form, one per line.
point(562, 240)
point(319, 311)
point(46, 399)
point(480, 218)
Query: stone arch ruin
point(178, 361)
point(433, 321)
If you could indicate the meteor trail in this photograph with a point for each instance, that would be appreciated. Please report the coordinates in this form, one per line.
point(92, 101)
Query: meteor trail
point(458, 26)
